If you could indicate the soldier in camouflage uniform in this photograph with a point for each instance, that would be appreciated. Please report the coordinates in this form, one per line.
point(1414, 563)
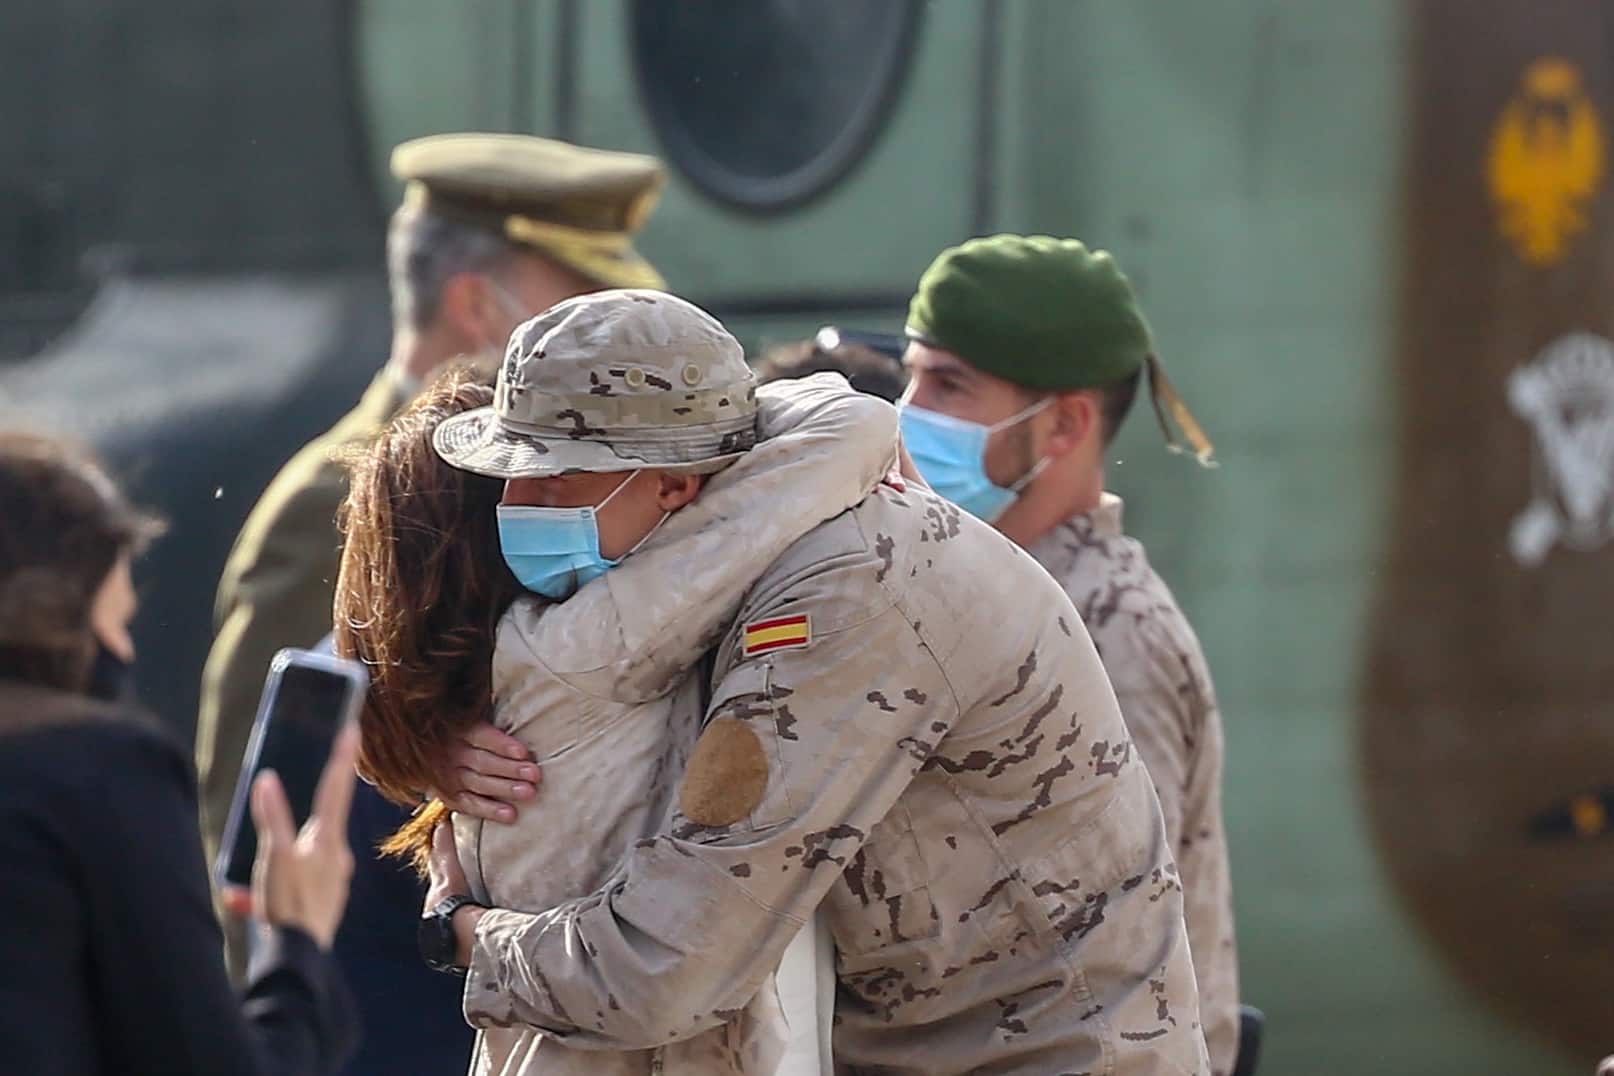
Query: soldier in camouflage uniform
point(907, 726)
point(586, 683)
point(1025, 354)
point(492, 229)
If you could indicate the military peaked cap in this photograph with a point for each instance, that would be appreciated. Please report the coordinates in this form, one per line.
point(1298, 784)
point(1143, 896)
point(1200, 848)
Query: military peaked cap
point(579, 206)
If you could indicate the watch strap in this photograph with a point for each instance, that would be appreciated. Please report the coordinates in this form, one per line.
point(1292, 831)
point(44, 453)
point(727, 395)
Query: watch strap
point(436, 935)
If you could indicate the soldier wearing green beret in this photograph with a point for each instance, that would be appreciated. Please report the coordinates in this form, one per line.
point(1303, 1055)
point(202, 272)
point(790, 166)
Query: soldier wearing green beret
point(493, 229)
point(1025, 354)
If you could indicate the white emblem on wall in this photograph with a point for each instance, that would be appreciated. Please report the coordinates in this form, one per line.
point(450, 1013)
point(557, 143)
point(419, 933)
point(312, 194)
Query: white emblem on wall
point(1567, 395)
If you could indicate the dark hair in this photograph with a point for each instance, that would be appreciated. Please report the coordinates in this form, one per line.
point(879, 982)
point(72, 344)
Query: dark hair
point(425, 250)
point(1116, 402)
point(868, 370)
point(419, 594)
point(63, 527)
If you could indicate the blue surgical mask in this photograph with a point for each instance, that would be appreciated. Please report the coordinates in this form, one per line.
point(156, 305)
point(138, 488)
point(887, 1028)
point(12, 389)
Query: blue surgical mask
point(951, 456)
point(553, 551)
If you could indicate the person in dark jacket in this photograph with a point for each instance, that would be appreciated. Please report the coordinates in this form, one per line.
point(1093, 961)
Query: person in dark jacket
point(110, 955)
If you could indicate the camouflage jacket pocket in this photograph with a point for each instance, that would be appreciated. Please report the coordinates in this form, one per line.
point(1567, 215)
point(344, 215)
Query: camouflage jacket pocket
point(1110, 854)
point(883, 899)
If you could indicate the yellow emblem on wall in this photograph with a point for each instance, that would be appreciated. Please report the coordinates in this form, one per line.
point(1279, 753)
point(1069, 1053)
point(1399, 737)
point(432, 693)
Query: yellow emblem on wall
point(1546, 161)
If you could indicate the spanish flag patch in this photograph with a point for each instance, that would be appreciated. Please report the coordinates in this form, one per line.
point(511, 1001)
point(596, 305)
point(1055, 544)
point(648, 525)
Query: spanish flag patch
point(782, 633)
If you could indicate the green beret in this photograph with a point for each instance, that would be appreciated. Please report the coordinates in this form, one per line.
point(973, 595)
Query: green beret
point(1048, 315)
point(1043, 313)
point(576, 205)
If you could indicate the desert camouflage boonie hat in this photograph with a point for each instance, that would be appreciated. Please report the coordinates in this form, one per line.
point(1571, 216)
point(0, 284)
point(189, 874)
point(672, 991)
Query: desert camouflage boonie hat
point(611, 381)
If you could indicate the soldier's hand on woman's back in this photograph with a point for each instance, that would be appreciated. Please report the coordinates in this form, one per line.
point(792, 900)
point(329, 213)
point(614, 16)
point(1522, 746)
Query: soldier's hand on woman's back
point(488, 775)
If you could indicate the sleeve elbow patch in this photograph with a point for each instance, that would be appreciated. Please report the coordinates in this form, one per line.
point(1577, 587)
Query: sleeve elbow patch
point(727, 775)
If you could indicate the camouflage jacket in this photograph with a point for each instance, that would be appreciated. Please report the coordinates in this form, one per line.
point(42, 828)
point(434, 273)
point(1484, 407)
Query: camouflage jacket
point(603, 689)
point(1164, 688)
point(910, 727)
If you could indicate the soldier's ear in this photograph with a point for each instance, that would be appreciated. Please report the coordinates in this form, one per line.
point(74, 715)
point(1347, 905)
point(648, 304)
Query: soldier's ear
point(467, 310)
point(1073, 419)
point(676, 490)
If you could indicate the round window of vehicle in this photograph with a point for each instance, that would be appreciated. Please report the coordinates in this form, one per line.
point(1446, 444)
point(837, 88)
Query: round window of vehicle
point(766, 103)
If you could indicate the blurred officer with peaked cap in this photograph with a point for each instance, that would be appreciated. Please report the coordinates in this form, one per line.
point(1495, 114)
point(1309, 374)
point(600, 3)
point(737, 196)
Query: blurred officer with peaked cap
point(493, 228)
point(1025, 355)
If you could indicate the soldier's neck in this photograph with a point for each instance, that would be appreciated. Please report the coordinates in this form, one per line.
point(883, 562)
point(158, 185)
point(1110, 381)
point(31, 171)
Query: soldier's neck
point(1058, 494)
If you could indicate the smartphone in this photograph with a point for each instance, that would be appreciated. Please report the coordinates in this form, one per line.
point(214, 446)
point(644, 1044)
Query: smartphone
point(307, 698)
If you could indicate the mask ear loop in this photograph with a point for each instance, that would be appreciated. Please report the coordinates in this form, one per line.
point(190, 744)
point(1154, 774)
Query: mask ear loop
point(1014, 420)
point(665, 516)
point(1031, 475)
point(512, 305)
point(620, 486)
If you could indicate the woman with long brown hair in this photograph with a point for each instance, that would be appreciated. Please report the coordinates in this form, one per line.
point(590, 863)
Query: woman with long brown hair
point(419, 595)
point(422, 585)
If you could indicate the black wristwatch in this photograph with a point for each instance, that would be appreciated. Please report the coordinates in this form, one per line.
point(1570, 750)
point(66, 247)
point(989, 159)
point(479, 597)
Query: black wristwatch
point(435, 935)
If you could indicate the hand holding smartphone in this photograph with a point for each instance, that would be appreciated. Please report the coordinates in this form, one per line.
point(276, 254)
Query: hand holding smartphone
point(309, 698)
point(301, 878)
